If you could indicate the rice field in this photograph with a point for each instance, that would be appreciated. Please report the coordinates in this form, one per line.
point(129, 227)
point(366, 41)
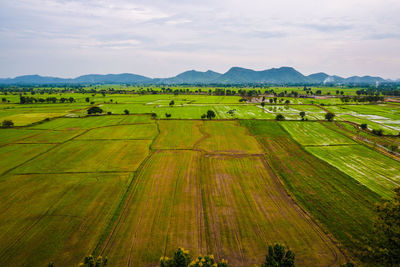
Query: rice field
point(135, 187)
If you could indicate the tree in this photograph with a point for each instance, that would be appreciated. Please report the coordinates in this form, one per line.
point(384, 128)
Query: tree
point(7, 124)
point(94, 110)
point(126, 112)
point(280, 117)
point(87, 99)
point(302, 114)
point(168, 115)
point(262, 104)
point(203, 116)
point(277, 257)
point(363, 126)
point(171, 103)
point(182, 258)
point(90, 261)
point(329, 116)
point(384, 246)
point(378, 132)
point(154, 115)
point(210, 114)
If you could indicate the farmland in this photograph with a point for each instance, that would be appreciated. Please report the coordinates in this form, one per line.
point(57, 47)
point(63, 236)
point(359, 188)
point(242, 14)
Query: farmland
point(134, 186)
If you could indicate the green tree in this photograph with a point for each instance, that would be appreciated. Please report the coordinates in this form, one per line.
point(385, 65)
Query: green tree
point(363, 126)
point(302, 115)
point(329, 116)
point(171, 103)
point(94, 110)
point(278, 257)
point(87, 99)
point(182, 258)
point(262, 104)
point(126, 112)
point(210, 114)
point(280, 117)
point(384, 246)
point(7, 124)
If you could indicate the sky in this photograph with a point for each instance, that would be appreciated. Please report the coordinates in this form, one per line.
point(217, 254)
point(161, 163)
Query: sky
point(161, 38)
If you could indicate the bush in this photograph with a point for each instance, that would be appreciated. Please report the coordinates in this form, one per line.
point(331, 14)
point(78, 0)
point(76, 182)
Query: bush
point(280, 117)
point(7, 124)
point(277, 257)
point(329, 116)
point(182, 258)
point(94, 110)
point(168, 115)
point(126, 112)
point(363, 126)
point(378, 132)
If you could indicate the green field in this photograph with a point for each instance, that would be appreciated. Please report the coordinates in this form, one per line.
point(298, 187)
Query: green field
point(136, 187)
point(372, 169)
point(314, 134)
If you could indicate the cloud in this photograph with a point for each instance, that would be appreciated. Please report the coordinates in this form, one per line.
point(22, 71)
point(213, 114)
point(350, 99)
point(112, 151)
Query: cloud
point(163, 37)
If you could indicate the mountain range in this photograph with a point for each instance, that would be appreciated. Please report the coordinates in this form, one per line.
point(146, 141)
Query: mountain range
point(236, 75)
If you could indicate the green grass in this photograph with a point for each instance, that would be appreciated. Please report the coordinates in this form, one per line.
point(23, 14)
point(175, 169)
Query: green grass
point(122, 132)
point(314, 133)
point(90, 156)
point(57, 217)
point(379, 173)
point(342, 205)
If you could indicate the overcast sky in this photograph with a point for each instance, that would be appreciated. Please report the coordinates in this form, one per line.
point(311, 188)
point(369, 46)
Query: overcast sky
point(161, 38)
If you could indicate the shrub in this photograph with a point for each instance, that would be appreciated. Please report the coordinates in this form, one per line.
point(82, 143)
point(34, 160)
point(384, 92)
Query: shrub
point(182, 258)
point(277, 257)
point(94, 110)
point(378, 132)
point(329, 116)
point(280, 117)
point(363, 126)
point(7, 124)
point(126, 112)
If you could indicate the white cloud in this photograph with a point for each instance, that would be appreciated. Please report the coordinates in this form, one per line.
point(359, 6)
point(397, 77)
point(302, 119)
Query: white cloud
point(164, 37)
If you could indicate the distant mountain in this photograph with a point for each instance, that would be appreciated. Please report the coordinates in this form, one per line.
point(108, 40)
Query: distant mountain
point(192, 77)
point(318, 77)
point(364, 80)
point(111, 78)
point(236, 75)
point(283, 75)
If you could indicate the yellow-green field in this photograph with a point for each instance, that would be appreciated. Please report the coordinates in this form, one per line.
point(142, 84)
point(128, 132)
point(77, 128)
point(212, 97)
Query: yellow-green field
point(135, 187)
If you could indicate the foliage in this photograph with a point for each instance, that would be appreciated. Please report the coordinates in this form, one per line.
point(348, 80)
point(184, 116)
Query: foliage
point(363, 126)
point(280, 117)
point(126, 112)
point(384, 245)
point(210, 114)
point(94, 110)
point(329, 116)
point(182, 258)
point(302, 114)
point(90, 261)
point(7, 124)
point(378, 132)
point(277, 257)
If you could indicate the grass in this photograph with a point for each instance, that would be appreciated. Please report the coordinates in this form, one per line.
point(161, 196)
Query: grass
point(13, 155)
point(314, 133)
point(122, 132)
point(91, 122)
point(55, 217)
point(342, 205)
point(227, 137)
point(372, 169)
point(163, 212)
point(248, 210)
point(90, 156)
point(178, 134)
